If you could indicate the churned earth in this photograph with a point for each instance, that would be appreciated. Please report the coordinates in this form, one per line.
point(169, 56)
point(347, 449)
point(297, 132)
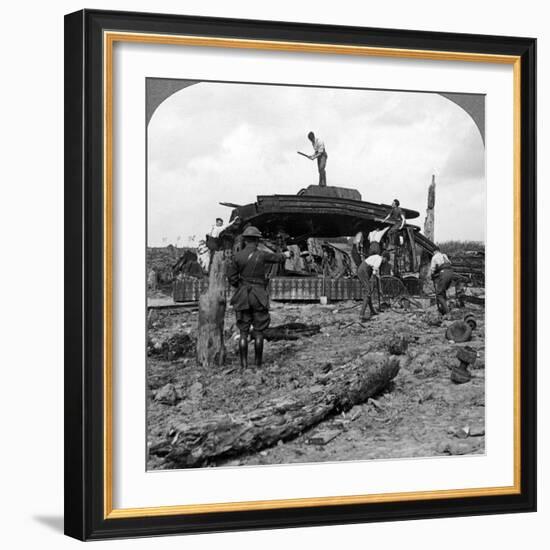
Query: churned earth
point(421, 413)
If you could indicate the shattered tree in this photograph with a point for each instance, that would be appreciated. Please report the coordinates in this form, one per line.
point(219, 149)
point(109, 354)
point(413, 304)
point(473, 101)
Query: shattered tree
point(429, 221)
point(212, 304)
point(429, 232)
point(279, 419)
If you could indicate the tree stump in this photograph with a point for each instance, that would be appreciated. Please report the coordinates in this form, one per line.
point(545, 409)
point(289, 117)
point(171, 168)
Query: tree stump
point(212, 303)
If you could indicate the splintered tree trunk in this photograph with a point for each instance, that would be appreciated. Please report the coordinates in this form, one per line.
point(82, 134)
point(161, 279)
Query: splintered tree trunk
point(282, 418)
point(429, 232)
point(210, 344)
point(430, 212)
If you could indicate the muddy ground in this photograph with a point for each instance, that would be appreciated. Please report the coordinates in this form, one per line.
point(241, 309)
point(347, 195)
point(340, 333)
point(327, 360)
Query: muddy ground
point(420, 414)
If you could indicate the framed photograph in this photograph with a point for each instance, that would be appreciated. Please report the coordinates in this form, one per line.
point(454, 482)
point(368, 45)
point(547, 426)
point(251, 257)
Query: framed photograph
point(300, 274)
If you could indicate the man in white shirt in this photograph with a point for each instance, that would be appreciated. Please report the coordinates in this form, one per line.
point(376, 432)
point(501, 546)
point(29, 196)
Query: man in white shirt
point(220, 227)
point(368, 272)
point(442, 275)
point(320, 154)
point(374, 241)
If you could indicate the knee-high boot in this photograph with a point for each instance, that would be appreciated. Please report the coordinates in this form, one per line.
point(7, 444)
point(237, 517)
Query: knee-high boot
point(243, 350)
point(371, 307)
point(258, 348)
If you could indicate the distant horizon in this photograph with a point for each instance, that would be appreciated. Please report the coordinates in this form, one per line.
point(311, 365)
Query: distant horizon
point(329, 239)
point(228, 142)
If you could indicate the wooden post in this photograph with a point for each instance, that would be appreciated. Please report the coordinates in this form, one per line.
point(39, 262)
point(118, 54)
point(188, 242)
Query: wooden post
point(212, 303)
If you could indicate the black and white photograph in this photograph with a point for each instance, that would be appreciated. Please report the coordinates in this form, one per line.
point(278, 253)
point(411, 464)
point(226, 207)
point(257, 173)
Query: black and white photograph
point(315, 274)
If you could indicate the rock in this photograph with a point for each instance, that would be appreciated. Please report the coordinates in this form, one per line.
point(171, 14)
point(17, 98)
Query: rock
point(460, 448)
point(455, 448)
point(195, 391)
point(467, 355)
point(432, 318)
point(459, 331)
point(460, 374)
point(376, 404)
point(174, 347)
point(186, 407)
point(462, 433)
point(477, 431)
point(167, 395)
point(397, 344)
point(326, 368)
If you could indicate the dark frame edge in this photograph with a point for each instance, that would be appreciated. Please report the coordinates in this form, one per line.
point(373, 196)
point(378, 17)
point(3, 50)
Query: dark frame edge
point(528, 168)
point(74, 448)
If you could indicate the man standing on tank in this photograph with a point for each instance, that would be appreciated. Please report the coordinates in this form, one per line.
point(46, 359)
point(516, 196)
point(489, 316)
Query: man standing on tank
point(319, 153)
point(247, 273)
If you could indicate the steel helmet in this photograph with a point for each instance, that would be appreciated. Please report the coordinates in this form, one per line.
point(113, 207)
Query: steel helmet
point(252, 231)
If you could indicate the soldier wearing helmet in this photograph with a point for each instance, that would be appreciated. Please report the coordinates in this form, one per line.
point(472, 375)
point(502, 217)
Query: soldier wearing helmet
point(247, 273)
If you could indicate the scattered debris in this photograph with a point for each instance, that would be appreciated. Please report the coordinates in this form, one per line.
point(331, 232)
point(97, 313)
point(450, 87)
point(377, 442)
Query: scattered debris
point(397, 345)
point(376, 404)
point(291, 331)
point(467, 357)
point(470, 320)
point(414, 411)
point(178, 345)
point(477, 431)
point(462, 433)
point(432, 318)
point(167, 395)
point(456, 447)
point(195, 391)
point(459, 331)
point(323, 437)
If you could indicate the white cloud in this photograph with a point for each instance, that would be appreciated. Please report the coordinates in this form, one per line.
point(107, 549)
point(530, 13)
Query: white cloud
point(216, 142)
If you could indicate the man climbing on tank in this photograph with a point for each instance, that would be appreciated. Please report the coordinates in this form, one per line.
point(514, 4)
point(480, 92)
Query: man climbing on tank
point(397, 218)
point(247, 273)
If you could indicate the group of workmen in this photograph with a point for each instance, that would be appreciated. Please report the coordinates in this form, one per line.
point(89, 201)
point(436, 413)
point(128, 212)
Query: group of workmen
point(247, 273)
point(249, 266)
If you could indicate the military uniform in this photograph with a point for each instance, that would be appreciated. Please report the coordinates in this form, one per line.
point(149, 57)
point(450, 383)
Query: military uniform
point(251, 299)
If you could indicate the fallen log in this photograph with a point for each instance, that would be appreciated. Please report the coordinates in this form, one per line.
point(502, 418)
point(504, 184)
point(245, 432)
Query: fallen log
point(278, 419)
point(291, 331)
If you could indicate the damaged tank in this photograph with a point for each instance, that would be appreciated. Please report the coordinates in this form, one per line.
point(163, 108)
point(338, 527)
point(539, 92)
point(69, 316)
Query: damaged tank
point(320, 212)
point(327, 230)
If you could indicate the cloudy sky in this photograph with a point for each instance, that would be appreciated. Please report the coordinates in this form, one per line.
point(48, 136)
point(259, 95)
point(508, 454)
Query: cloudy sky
point(215, 142)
